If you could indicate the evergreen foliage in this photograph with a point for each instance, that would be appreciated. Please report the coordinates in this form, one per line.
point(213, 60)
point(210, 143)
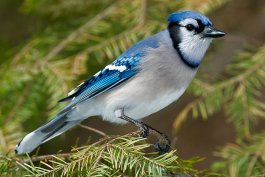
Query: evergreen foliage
point(112, 156)
point(75, 39)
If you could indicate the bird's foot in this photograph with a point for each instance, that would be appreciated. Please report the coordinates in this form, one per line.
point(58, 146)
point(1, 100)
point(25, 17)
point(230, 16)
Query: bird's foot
point(162, 144)
point(143, 131)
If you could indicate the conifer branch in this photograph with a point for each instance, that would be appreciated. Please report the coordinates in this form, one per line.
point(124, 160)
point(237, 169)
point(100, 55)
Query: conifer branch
point(77, 32)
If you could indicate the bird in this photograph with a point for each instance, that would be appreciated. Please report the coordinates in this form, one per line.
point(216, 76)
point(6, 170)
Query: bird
point(146, 78)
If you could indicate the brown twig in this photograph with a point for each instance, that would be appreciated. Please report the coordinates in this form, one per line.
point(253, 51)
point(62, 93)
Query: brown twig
point(65, 155)
point(93, 130)
point(108, 144)
point(44, 157)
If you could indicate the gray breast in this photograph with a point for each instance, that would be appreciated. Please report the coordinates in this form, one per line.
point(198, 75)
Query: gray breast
point(164, 68)
point(162, 79)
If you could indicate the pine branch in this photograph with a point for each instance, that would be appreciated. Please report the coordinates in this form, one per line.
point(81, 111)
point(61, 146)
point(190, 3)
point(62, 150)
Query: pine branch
point(77, 32)
point(111, 155)
point(243, 159)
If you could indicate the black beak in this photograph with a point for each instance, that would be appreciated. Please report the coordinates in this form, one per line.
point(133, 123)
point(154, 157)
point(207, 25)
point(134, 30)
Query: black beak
point(213, 33)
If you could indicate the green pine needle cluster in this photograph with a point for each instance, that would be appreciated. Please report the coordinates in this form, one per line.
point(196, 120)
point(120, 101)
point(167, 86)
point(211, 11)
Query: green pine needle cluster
point(243, 159)
point(112, 156)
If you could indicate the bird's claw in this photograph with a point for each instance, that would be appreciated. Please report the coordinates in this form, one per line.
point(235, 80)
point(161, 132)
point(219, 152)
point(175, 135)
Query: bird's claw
point(144, 131)
point(162, 145)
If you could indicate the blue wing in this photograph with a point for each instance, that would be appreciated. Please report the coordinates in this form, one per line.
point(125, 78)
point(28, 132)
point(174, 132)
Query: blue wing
point(122, 69)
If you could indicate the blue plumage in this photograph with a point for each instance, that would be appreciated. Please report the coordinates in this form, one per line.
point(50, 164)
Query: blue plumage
point(179, 16)
point(122, 69)
point(96, 85)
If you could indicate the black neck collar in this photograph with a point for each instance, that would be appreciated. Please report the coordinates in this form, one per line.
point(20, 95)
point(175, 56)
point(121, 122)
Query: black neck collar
point(173, 29)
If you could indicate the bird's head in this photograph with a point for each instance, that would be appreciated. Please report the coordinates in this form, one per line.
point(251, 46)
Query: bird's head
point(191, 33)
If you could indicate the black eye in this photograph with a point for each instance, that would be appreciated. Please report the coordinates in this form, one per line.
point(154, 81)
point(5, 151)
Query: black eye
point(190, 27)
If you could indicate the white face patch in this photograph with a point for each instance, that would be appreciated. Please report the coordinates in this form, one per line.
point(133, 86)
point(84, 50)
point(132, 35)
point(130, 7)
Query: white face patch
point(192, 46)
point(114, 67)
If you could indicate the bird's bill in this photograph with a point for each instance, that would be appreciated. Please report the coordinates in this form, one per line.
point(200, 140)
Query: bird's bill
point(211, 32)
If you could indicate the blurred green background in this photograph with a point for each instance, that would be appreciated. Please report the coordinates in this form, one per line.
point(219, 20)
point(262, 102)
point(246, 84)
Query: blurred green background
point(48, 47)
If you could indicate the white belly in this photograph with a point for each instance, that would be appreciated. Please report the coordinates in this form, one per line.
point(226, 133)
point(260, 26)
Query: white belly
point(140, 98)
point(136, 102)
point(145, 108)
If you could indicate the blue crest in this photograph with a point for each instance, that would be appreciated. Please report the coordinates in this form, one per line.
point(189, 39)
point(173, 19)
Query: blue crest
point(182, 15)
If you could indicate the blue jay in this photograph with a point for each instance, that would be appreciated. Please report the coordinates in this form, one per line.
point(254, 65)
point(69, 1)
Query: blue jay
point(147, 77)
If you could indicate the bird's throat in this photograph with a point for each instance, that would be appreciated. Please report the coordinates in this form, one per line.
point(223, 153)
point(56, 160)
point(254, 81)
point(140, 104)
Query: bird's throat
point(189, 49)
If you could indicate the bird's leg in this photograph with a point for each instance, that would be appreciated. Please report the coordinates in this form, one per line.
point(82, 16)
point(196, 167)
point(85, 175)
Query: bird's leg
point(162, 145)
point(143, 128)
